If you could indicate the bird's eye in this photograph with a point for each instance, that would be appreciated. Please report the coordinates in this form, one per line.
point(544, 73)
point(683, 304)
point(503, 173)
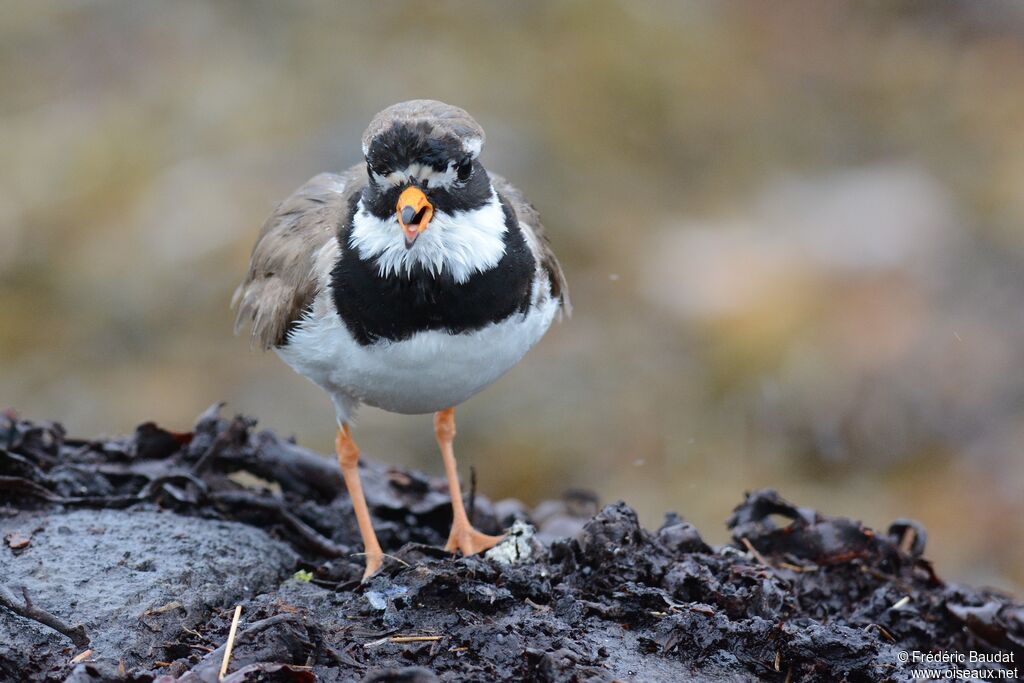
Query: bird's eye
point(465, 168)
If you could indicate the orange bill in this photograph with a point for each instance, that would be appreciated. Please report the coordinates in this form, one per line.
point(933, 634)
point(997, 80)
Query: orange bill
point(414, 213)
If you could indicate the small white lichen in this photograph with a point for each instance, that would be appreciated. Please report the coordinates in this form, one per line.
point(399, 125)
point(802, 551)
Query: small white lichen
point(517, 546)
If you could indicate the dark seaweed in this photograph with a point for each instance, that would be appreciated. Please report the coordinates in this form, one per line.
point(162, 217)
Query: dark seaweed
point(815, 599)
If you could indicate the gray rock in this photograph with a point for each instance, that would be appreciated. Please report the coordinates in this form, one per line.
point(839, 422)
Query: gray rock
point(132, 580)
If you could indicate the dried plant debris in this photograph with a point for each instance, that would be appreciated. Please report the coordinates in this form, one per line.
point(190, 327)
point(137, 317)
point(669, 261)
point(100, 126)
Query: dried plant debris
point(140, 548)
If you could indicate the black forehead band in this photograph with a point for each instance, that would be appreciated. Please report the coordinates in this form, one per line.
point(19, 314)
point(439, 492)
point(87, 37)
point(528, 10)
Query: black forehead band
point(408, 143)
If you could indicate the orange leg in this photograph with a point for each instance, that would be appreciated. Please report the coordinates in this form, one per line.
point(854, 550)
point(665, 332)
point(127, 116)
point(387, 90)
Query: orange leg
point(348, 458)
point(463, 536)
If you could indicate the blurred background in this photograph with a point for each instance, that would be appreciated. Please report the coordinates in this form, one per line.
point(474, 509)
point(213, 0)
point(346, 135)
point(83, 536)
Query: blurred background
point(792, 232)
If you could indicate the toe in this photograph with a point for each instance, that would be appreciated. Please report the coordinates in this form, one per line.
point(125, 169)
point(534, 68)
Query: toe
point(373, 565)
point(470, 541)
point(481, 542)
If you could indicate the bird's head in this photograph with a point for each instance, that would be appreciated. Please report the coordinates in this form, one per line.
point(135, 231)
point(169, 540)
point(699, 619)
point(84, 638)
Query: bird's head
point(428, 193)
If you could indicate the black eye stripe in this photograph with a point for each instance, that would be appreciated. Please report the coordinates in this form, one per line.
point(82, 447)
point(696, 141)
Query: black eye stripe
point(473, 194)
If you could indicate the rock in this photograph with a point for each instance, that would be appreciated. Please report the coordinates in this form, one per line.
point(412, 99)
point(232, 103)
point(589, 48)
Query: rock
point(132, 578)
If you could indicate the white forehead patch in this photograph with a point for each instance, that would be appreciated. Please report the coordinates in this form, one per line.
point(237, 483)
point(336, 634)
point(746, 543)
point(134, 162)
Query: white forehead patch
point(423, 174)
point(473, 146)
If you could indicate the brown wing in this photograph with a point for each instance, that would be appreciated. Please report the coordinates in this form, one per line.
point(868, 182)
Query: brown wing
point(281, 281)
point(529, 220)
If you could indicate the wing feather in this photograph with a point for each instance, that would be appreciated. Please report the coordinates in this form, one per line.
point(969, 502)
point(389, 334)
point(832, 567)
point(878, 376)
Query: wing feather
point(281, 282)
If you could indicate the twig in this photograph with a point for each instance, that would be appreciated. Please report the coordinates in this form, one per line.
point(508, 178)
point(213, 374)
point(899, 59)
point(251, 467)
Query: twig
point(902, 602)
point(413, 639)
point(219, 443)
point(400, 640)
point(230, 644)
point(174, 604)
point(207, 666)
point(908, 540)
point(189, 631)
point(26, 609)
point(390, 557)
point(881, 630)
point(27, 487)
point(753, 551)
point(162, 483)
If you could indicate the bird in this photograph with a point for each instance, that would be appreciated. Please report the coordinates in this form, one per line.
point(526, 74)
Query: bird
point(409, 282)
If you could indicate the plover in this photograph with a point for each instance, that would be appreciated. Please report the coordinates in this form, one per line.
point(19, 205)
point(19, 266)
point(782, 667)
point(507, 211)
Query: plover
point(409, 283)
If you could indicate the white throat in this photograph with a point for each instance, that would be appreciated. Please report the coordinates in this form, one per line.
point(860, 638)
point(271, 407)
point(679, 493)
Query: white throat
point(462, 243)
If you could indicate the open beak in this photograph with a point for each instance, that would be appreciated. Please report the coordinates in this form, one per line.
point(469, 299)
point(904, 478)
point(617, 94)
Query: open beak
point(414, 214)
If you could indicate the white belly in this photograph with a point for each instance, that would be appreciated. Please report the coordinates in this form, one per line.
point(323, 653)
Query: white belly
point(428, 372)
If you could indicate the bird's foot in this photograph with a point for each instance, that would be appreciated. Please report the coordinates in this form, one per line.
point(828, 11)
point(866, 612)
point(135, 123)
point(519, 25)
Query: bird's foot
point(467, 540)
point(374, 561)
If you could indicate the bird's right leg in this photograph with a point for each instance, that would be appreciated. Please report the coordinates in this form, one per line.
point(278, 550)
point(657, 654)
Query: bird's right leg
point(348, 458)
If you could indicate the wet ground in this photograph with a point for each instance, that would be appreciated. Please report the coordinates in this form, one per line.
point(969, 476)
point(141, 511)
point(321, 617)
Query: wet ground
point(124, 559)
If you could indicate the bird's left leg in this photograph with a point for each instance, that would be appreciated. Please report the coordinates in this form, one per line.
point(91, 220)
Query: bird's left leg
point(463, 536)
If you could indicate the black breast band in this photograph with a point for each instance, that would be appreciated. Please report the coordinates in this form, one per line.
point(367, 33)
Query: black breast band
point(395, 307)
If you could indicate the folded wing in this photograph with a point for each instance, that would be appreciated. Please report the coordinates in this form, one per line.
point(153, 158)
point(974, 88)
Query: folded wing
point(281, 282)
